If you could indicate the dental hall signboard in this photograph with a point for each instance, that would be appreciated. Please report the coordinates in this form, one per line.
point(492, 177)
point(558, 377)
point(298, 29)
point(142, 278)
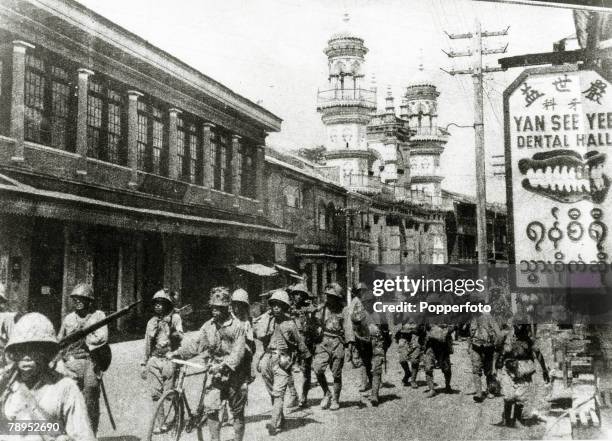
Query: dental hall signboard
point(558, 138)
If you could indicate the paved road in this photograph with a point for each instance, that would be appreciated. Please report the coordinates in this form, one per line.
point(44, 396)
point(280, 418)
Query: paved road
point(403, 414)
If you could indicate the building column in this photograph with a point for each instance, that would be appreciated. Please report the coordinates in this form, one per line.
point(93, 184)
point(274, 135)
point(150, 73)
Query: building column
point(173, 171)
point(18, 98)
point(315, 279)
point(333, 267)
point(325, 274)
point(81, 126)
point(236, 167)
point(208, 161)
point(173, 265)
point(132, 136)
point(260, 161)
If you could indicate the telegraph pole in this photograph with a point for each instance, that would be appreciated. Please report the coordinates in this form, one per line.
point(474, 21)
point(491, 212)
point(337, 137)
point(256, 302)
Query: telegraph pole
point(477, 71)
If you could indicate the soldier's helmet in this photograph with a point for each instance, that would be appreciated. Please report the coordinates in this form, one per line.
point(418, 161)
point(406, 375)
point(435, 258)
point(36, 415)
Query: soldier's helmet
point(335, 290)
point(300, 288)
point(280, 296)
point(361, 286)
point(240, 295)
point(32, 328)
point(220, 296)
point(83, 290)
point(163, 295)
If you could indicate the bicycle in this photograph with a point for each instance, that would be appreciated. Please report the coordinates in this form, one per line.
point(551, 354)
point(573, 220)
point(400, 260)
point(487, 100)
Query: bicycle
point(169, 420)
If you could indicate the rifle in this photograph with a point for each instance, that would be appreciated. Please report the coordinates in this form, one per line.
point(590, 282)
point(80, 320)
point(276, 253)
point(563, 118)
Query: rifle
point(82, 333)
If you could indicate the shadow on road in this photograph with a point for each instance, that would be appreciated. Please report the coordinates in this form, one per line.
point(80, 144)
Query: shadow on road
point(384, 398)
point(297, 422)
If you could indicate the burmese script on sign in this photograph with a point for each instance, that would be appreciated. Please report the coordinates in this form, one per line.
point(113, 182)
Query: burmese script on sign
point(560, 134)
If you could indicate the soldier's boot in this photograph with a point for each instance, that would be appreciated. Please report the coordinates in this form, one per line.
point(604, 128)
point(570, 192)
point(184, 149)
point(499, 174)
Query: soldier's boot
point(376, 381)
point(518, 414)
point(479, 395)
point(365, 380)
point(304, 397)
point(238, 428)
point(506, 417)
point(326, 394)
point(413, 376)
point(274, 426)
point(447, 382)
point(407, 378)
point(292, 396)
point(335, 396)
point(430, 385)
point(214, 428)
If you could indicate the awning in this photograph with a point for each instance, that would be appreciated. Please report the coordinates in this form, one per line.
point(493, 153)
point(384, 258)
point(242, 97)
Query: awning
point(258, 269)
point(289, 271)
point(20, 199)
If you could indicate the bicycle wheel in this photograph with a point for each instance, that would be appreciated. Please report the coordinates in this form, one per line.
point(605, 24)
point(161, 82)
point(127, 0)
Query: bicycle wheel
point(167, 421)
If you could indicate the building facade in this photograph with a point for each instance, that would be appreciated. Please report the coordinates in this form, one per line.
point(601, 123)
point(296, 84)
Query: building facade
point(121, 166)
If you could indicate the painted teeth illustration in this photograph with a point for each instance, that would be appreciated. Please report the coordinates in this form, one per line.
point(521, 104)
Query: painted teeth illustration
point(565, 176)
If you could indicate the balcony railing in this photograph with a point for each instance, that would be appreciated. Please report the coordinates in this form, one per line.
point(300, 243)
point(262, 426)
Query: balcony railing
point(361, 97)
point(363, 183)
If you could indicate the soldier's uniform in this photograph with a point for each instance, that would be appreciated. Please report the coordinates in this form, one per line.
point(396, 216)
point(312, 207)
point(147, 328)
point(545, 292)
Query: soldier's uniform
point(438, 348)
point(518, 366)
point(223, 343)
point(77, 357)
point(163, 334)
point(53, 398)
point(372, 336)
point(410, 339)
point(329, 351)
point(303, 315)
point(282, 343)
point(484, 333)
point(360, 351)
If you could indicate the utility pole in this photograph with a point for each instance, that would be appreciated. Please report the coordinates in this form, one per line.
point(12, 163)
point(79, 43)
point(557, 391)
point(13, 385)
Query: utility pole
point(477, 71)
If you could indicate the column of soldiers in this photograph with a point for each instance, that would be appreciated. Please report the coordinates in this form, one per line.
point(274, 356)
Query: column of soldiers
point(40, 381)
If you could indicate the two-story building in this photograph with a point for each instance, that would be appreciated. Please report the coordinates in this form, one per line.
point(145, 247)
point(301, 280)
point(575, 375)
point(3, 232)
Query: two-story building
point(121, 166)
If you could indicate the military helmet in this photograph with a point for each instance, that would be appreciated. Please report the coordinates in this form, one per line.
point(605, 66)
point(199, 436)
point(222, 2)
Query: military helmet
point(3, 297)
point(32, 328)
point(281, 296)
point(240, 295)
point(219, 296)
point(83, 290)
point(334, 289)
point(300, 287)
point(163, 294)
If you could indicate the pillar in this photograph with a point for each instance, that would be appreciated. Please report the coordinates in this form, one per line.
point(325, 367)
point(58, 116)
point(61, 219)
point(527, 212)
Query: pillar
point(315, 279)
point(325, 274)
point(173, 265)
point(126, 277)
point(333, 267)
point(81, 126)
point(208, 160)
point(236, 167)
point(173, 171)
point(18, 98)
point(260, 162)
point(132, 136)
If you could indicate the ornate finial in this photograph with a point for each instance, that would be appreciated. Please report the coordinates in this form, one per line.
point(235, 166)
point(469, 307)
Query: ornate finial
point(346, 18)
point(389, 92)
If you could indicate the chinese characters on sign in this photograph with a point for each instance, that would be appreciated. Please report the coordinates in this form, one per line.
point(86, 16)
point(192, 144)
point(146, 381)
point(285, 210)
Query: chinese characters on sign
point(558, 143)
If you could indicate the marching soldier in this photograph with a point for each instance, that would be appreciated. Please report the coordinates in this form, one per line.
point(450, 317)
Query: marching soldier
point(221, 342)
point(303, 314)
point(282, 343)
point(484, 333)
point(78, 356)
point(359, 352)
point(241, 310)
point(410, 339)
point(372, 337)
point(329, 350)
point(34, 391)
point(438, 347)
point(163, 334)
point(517, 362)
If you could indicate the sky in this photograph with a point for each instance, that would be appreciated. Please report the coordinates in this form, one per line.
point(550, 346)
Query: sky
point(271, 51)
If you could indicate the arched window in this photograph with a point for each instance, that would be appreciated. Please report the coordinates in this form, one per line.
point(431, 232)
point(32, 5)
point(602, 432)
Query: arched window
point(293, 197)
